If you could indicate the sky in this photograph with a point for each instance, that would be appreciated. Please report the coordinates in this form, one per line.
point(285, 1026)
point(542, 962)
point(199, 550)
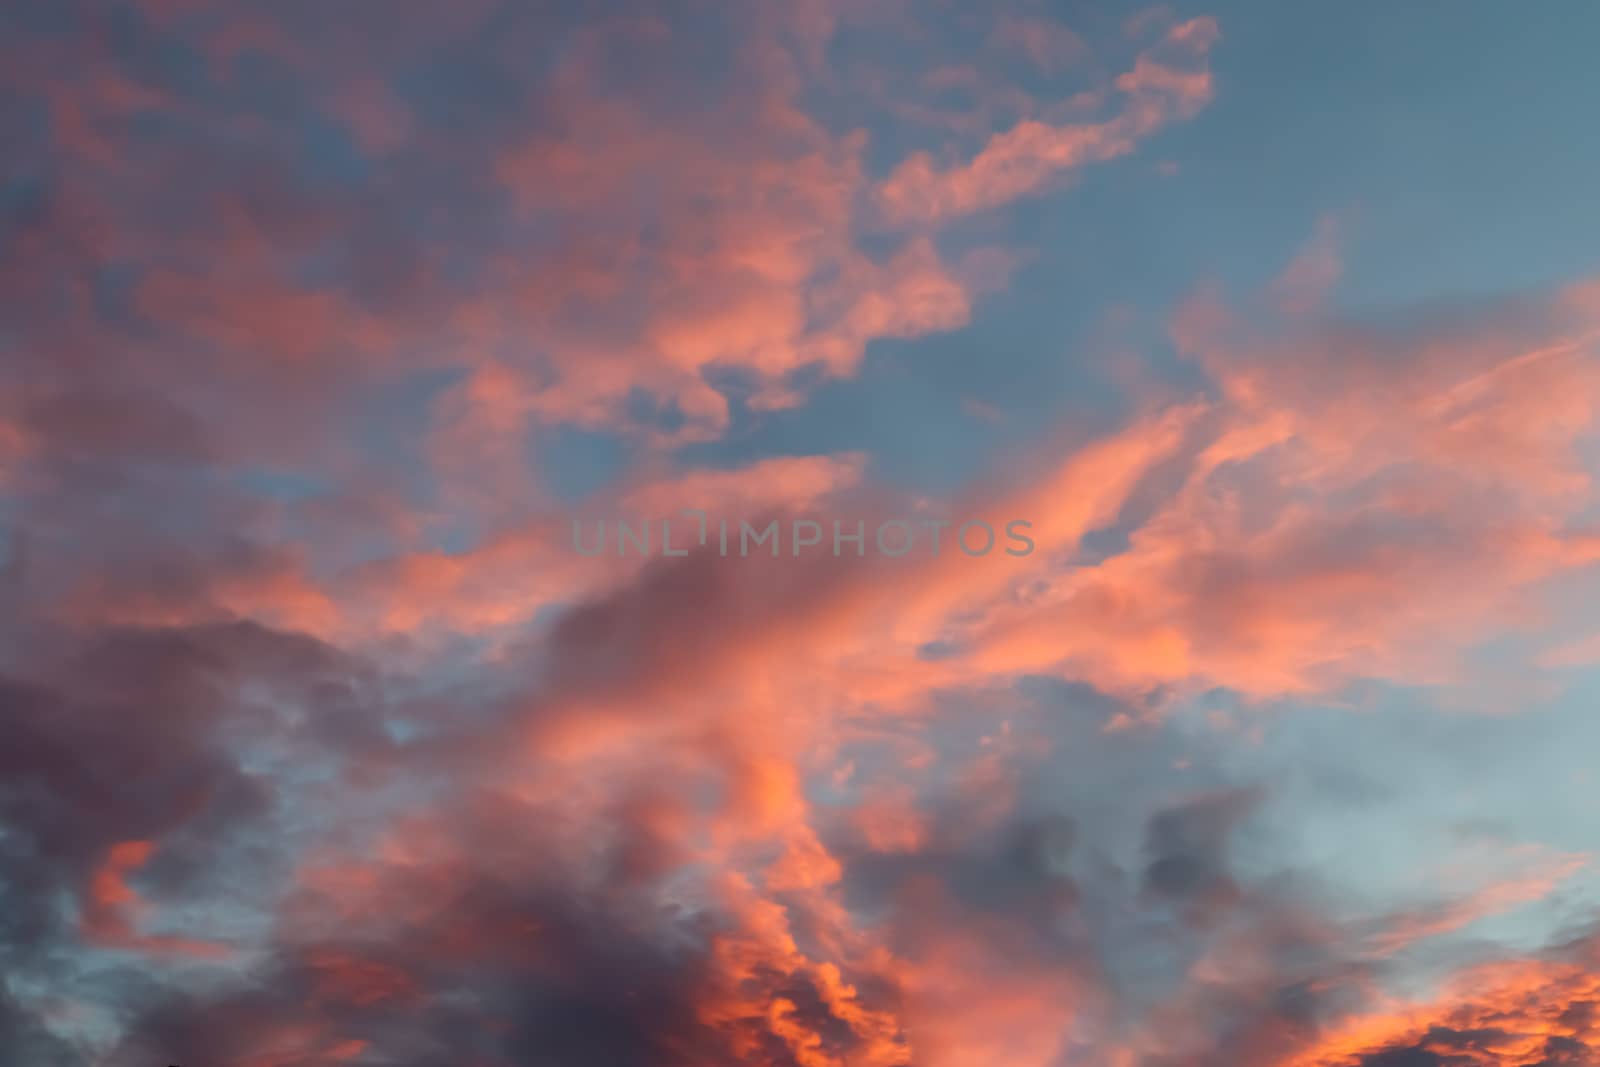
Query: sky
point(1262, 337)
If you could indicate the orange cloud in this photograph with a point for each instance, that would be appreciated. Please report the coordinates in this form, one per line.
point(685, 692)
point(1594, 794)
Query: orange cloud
point(1516, 1013)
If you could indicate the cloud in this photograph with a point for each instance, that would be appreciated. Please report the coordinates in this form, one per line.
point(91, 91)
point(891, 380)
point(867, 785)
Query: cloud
point(1169, 82)
point(1049, 45)
point(320, 742)
point(1187, 853)
point(1535, 1011)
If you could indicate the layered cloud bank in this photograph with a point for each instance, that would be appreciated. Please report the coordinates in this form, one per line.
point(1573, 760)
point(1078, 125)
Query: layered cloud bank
point(322, 742)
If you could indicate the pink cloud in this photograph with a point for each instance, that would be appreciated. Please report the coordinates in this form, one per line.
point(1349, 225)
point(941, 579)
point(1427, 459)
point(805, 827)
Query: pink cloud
point(1168, 83)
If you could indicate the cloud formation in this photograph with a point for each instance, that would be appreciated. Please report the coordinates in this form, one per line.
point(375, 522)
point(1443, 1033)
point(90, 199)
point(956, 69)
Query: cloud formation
point(321, 744)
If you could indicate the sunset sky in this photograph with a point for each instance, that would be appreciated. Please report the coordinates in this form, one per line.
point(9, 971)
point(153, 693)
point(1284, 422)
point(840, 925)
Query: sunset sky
point(322, 323)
